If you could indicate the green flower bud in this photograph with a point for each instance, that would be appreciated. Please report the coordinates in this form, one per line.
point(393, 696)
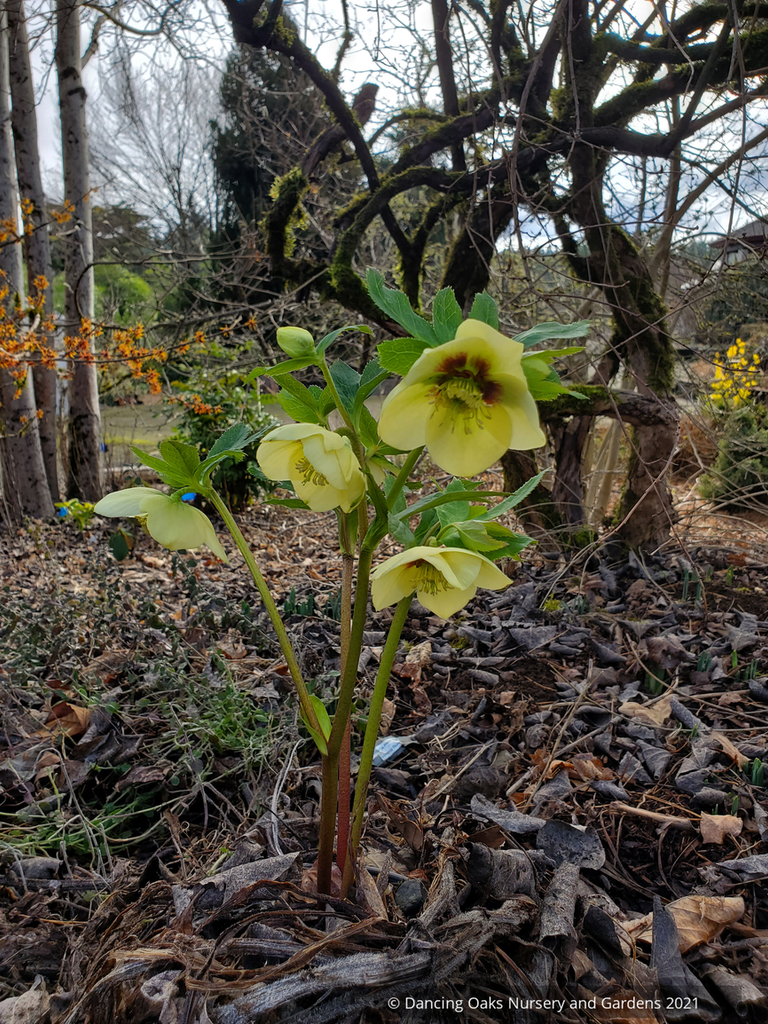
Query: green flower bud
point(295, 341)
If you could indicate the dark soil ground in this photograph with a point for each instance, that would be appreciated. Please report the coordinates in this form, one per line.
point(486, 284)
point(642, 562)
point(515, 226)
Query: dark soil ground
point(569, 821)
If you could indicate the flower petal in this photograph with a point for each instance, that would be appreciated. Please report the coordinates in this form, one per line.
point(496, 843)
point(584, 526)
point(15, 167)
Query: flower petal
point(276, 458)
point(490, 576)
point(391, 586)
point(177, 526)
point(404, 415)
point(447, 602)
point(465, 444)
point(123, 503)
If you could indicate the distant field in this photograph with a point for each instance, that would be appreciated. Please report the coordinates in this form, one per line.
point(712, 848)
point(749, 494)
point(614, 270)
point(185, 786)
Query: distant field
point(148, 424)
point(145, 425)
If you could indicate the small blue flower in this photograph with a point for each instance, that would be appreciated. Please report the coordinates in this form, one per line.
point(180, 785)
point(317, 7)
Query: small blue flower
point(189, 496)
point(62, 512)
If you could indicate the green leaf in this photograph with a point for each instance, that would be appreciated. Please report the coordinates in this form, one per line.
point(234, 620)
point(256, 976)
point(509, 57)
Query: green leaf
point(436, 500)
point(296, 400)
point(168, 474)
point(347, 382)
point(321, 738)
point(485, 310)
point(400, 504)
point(181, 456)
point(543, 389)
point(236, 438)
point(286, 502)
point(399, 354)
point(329, 339)
point(427, 521)
point(367, 427)
point(396, 305)
point(119, 546)
point(548, 355)
point(475, 537)
point(543, 332)
point(371, 371)
point(513, 543)
point(296, 409)
point(287, 366)
point(514, 499)
point(446, 315)
point(401, 531)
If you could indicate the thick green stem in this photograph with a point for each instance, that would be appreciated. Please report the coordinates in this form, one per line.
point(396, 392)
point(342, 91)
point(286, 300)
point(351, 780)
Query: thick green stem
point(374, 716)
point(403, 475)
point(349, 676)
point(328, 801)
point(307, 710)
point(345, 781)
point(336, 397)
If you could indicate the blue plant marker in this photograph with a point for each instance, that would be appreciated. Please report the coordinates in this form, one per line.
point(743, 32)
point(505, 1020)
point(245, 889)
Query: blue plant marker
point(189, 496)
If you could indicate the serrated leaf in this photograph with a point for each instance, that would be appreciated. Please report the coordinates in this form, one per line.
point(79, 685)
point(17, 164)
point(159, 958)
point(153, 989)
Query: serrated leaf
point(453, 512)
point(367, 427)
point(234, 439)
point(399, 354)
point(545, 390)
point(401, 531)
point(543, 332)
point(347, 382)
point(329, 339)
point(297, 409)
point(371, 370)
point(446, 315)
point(485, 310)
point(168, 474)
point(206, 468)
point(512, 500)
point(513, 543)
point(475, 537)
point(181, 456)
point(396, 305)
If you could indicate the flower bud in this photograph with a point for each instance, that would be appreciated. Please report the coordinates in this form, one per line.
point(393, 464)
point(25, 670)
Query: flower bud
point(295, 341)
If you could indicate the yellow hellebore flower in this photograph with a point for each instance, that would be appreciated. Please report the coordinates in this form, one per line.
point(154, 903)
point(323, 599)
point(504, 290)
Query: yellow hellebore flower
point(172, 523)
point(467, 401)
point(319, 463)
point(444, 579)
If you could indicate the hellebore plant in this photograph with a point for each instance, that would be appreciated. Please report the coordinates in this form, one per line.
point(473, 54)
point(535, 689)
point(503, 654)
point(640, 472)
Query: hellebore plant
point(468, 394)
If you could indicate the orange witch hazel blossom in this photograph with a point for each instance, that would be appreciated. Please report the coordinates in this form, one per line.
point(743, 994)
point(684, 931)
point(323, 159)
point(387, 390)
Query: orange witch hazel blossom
point(467, 400)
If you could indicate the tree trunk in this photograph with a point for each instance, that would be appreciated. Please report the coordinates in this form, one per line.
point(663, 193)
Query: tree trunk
point(37, 247)
point(84, 419)
point(24, 482)
point(641, 340)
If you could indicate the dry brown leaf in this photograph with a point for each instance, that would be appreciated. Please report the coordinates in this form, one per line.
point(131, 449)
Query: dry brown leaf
point(588, 767)
point(657, 713)
point(65, 719)
point(715, 827)
point(507, 697)
point(730, 749)
point(387, 715)
point(698, 918)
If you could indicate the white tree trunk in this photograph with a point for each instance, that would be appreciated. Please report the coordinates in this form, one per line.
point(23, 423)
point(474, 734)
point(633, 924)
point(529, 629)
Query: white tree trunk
point(84, 418)
point(25, 486)
point(37, 246)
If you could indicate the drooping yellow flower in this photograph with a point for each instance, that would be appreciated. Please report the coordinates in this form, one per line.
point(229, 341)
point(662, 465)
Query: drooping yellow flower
point(467, 401)
point(444, 579)
point(319, 463)
point(171, 522)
